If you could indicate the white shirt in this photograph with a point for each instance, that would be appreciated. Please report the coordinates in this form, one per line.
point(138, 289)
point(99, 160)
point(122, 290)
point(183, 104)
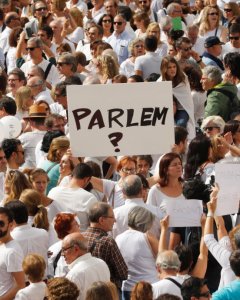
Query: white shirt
point(31, 240)
point(85, 270)
point(121, 216)
point(75, 200)
point(53, 76)
point(148, 64)
point(11, 257)
point(29, 142)
point(44, 95)
point(166, 286)
point(4, 39)
point(81, 5)
point(36, 291)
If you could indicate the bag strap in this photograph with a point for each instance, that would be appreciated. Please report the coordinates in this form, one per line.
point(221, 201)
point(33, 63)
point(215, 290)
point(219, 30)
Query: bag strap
point(112, 196)
point(55, 262)
point(47, 70)
point(174, 281)
point(50, 168)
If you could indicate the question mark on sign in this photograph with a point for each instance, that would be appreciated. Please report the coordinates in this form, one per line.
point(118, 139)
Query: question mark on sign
point(115, 137)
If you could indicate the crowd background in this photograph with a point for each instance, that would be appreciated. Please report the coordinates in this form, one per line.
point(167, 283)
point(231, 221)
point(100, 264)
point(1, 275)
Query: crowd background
point(96, 227)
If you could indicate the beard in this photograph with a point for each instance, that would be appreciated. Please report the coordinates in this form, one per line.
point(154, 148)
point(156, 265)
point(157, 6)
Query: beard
point(3, 233)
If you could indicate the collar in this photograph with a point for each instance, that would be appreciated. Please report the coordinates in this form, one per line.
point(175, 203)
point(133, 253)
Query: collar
point(80, 259)
point(21, 227)
point(134, 200)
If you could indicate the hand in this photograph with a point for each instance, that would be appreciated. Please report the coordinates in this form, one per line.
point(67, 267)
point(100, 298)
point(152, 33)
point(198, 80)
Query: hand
point(22, 36)
point(211, 205)
point(164, 223)
point(195, 55)
point(203, 221)
point(228, 137)
point(214, 192)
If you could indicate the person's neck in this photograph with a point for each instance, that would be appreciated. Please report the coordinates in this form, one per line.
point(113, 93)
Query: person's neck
point(169, 272)
point(74, 183)
point(12, 165)
point(37, 60)
point(6, 239)
point(96, 225)
point(58, 39)
point(45, 200)
point(213, 26)
point(173, 182)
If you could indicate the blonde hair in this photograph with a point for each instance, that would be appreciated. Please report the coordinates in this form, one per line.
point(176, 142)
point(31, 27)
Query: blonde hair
point(22, 95)
point(34, 267)
point(32, 199)
point(108, 66)
point(154, 25)
point(205, 25)
point(57, 144)
point(77, 16)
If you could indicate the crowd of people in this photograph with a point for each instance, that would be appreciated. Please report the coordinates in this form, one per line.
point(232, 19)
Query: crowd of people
point(94, 228)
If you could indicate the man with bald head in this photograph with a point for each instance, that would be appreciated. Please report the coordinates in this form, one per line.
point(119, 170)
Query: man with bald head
point(84, 268)
point(38, 89)
point(133, 193)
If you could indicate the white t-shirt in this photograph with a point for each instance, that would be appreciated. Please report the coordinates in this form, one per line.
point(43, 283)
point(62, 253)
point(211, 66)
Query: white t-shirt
point(11, 257)
point(166, 286)
point(36, 291)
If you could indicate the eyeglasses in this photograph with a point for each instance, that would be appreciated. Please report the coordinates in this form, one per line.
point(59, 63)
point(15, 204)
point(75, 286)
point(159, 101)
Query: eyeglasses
point(65, 249)
point(205, 295)
point(33, 86)
point(12, 79)
point(40, 8)
point(31, 48)
point(187, 49)
point(107, 21)
point(2, 224)
point(235, 38)
point(139, 46)
point(142, 1)
point(20, 151)
point(213, 14)
point(118, 23)
point(110, 217)
point(59, 95)
point(227, 10)
point(210, 128)
point(128, 171)
point(61, 63)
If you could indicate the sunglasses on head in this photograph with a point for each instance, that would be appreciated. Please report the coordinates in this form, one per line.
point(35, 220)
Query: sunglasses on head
point(236, 38)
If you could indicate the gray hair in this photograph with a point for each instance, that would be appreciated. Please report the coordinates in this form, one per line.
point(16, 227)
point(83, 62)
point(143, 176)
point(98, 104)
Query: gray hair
point(38, 42)
point(131, 186)
point(140, 219)
point(192, 27)
point(168, 260)
point(81, 244)
point(213, 73)
point(216, 120)
point(39, 71)
point(69, 59)
point(171, 7)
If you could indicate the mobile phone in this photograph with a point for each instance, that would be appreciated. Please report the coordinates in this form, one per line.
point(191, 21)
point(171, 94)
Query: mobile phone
point(28, 32)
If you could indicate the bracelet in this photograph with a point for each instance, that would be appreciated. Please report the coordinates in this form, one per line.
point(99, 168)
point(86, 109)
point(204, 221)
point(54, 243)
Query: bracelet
point(210, 215)
point(198, 61)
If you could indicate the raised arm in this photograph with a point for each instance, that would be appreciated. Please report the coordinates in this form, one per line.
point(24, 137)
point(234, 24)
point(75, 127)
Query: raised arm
point(97, 183)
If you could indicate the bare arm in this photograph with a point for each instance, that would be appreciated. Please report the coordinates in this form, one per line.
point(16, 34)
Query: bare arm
point(19, 283)
point(20, 45)
point(201, 266)
point(221, 230)
point(153, 243)
point(153, 180)
point(112, 161)
point(163, 237)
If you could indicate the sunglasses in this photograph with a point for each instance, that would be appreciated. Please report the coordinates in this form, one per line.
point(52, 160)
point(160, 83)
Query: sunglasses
point(139, 46)
point(187, 49)
point(205, 295)
point(213, 14)
point(210, 128)
point(142, 1)
point(40, 8)
point(107, 21)
point(118, 23)
point(2, 224)
point(236, 38)
point(227, 10)
point(31, 48)
point(62, 63)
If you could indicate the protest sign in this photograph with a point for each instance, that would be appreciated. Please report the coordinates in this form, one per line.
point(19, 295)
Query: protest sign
point(184, 213)
point(227, 176)
point(121, 119)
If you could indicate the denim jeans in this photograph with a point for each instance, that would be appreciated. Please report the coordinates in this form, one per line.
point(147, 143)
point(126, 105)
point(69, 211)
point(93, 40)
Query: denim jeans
point(126, 295)
point(181, 118)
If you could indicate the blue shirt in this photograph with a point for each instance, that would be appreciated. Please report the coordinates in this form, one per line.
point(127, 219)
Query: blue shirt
point(229, 292)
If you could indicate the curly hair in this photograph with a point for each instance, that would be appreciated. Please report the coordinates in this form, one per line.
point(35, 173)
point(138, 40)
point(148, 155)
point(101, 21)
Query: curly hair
point(62, 224)
point(60, 288)
point(108, 66)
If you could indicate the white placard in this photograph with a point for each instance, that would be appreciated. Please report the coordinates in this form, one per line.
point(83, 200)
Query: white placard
point(228, 178)
point(184, 213)
point(121, 119)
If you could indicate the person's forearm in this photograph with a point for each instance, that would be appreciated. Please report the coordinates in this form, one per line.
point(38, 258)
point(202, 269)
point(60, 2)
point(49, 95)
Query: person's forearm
point(221, 230)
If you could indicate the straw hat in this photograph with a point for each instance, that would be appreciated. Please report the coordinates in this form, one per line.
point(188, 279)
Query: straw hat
point(36, 111)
